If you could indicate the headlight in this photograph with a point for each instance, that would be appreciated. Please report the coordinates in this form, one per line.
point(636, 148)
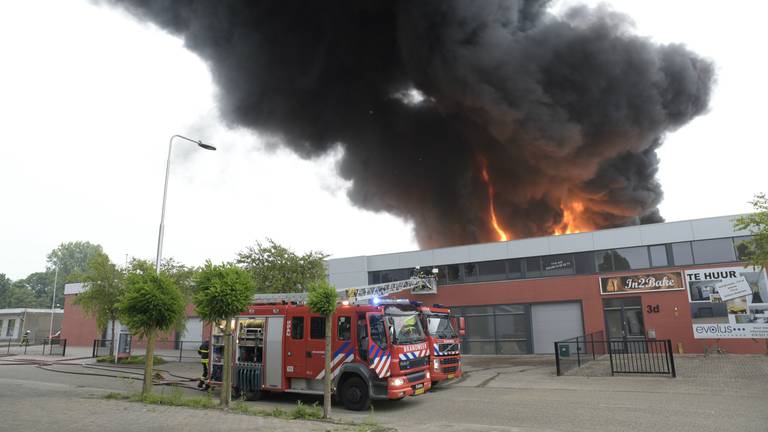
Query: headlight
point(436, 364)
point(397, 382)
point(428, 376)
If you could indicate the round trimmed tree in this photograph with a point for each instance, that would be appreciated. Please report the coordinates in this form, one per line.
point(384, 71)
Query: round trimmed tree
point(322, 300)
point(223, 291)
point(151, 303)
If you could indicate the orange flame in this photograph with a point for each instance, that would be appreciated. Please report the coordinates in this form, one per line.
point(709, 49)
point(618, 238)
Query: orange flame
point(503, 235)
point(573, 219)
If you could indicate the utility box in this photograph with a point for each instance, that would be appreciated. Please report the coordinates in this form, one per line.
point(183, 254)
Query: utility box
point(565, 350)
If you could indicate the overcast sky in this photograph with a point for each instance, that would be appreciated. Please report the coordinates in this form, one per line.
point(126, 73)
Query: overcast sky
point(89, 98)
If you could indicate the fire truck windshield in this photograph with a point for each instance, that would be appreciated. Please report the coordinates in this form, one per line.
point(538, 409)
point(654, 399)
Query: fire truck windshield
point(405, 329)
point(441, 327)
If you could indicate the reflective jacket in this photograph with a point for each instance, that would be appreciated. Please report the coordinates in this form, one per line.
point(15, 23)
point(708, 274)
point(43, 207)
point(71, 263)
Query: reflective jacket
point(202, 351)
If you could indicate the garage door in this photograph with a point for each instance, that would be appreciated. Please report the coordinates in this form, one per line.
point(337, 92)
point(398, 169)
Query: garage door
point(552, 322)
point(194, 330)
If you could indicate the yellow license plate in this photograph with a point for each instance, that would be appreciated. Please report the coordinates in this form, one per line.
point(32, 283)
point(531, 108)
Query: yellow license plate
point(450, 376)
point(419, 391)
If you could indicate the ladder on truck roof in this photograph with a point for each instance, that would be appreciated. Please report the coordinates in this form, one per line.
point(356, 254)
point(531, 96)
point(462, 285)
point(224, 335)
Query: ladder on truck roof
point(417, 285)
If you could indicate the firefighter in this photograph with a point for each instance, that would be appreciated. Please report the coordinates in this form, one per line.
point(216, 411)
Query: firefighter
point(25, 338)
point(202, 351)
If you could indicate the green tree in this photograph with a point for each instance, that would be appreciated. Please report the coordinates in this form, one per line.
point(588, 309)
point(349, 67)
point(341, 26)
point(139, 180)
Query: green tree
point(322, 300)
point(755, 250)
point(223, 291)
point(150, 304)
point(182, 274)
point(276, 268)
point(5, 286)
point(18, 295)
point(72, 260)
point(105, 287)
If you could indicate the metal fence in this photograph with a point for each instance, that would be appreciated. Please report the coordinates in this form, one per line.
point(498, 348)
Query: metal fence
point(625, 356)
point(57, 347)
point(575, 352)
point(167, 349)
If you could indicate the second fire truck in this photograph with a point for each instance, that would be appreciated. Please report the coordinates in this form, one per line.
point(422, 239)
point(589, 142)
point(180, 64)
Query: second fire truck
point(443, 341)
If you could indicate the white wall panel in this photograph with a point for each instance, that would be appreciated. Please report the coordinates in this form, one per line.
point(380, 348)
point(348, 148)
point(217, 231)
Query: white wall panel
point(528, 247)
point(571, 243)
point(488, 251)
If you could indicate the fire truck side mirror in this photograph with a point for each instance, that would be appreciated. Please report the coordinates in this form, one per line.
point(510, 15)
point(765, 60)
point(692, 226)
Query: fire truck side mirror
point(462, 330)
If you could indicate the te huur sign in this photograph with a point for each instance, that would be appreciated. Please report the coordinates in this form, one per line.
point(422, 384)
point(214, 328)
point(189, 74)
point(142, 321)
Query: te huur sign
point(648, 282)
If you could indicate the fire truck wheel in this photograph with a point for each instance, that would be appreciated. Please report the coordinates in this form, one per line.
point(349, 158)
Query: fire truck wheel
point(354, 394)
point(253, 396)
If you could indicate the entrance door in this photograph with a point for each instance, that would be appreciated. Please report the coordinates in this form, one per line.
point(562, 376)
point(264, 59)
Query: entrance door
point(296, 346)
point(624, 319)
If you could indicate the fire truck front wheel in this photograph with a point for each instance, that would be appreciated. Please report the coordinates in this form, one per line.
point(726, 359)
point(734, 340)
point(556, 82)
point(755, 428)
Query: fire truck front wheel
point(354, 394)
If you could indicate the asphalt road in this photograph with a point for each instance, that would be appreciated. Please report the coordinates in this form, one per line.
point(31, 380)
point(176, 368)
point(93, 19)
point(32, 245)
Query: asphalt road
point(715, 394)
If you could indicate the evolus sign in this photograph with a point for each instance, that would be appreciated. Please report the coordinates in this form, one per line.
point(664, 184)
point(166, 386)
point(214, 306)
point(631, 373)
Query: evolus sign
point(728, 303)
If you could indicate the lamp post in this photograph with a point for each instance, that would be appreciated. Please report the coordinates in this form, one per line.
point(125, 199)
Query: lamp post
point(53, 303)
point(165, 193)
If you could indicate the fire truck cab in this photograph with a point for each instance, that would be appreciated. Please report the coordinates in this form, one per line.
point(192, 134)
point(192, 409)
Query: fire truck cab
point(443, 340)
point(378, 352)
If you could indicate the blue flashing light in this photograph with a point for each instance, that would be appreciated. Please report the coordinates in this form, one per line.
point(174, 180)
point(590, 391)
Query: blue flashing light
point(375, 300)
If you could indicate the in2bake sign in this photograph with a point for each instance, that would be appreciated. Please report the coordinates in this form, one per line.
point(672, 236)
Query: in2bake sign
point(641, 283)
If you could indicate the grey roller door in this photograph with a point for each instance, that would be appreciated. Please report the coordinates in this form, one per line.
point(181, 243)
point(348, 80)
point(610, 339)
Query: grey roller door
point(193, 330)
point(552, 322)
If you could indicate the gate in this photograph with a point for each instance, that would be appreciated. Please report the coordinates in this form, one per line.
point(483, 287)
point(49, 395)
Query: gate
point(641, 356)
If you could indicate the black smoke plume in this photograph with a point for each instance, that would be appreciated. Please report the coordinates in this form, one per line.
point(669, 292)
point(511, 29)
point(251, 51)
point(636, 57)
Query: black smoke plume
point(562, 108)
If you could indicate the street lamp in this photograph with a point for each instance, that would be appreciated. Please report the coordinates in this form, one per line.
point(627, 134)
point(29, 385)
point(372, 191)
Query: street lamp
point(165, 194)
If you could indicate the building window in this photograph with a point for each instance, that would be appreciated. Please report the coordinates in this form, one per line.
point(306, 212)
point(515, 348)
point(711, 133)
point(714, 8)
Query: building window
point(585, 263)
point(533, 267)
point(470, 272)
point(681, 253)
point(492, 270)
point(557, 265)
point(297, 328)
point(453, 273)
point(514, 268)
point(604, 261)
point(659, 256)
point(631, 258)
point(742, 246)
point(395, 275)
point(713, 251)
point(11, 327)
point(317, 328)
point(344, 328)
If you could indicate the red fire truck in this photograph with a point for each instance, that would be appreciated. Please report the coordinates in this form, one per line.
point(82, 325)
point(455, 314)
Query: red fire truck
point(443, 340)
point(379, 351)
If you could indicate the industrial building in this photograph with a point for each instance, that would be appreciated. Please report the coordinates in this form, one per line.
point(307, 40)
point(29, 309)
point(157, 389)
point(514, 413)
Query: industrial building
point(15, 322)
point(664, 281)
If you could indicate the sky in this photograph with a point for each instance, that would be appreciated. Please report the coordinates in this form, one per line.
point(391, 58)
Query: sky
point(89, 99)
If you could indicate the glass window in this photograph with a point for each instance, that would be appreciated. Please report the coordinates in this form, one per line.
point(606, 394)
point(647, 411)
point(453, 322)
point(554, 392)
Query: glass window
point(713, 251)
point(681, 253)
point(479, 347)
point(378, 331)
point(515, 268)
point(533, 267)
point(604, 261)
point(374, 277)
point(297, 328)
point(470, 272)
point(441, 280)
point(585, 263)
point(512, 326)
point(395, 275)
point(317, 328)
point(509, 309)
point(453, 275)
point(512, 347)
point(492, 270)
point(478, 310)
point(479, 327)
point(557, 265)
point(631, 258)
point(742, 246)
point(344, 328)
point(11, 327)
point(659, 256)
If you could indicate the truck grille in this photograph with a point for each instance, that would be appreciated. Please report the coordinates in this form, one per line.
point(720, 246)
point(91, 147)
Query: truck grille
point(450, 369)
point(448, 347)
point(450, 360)
point(415, 363)
point(416, 377)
